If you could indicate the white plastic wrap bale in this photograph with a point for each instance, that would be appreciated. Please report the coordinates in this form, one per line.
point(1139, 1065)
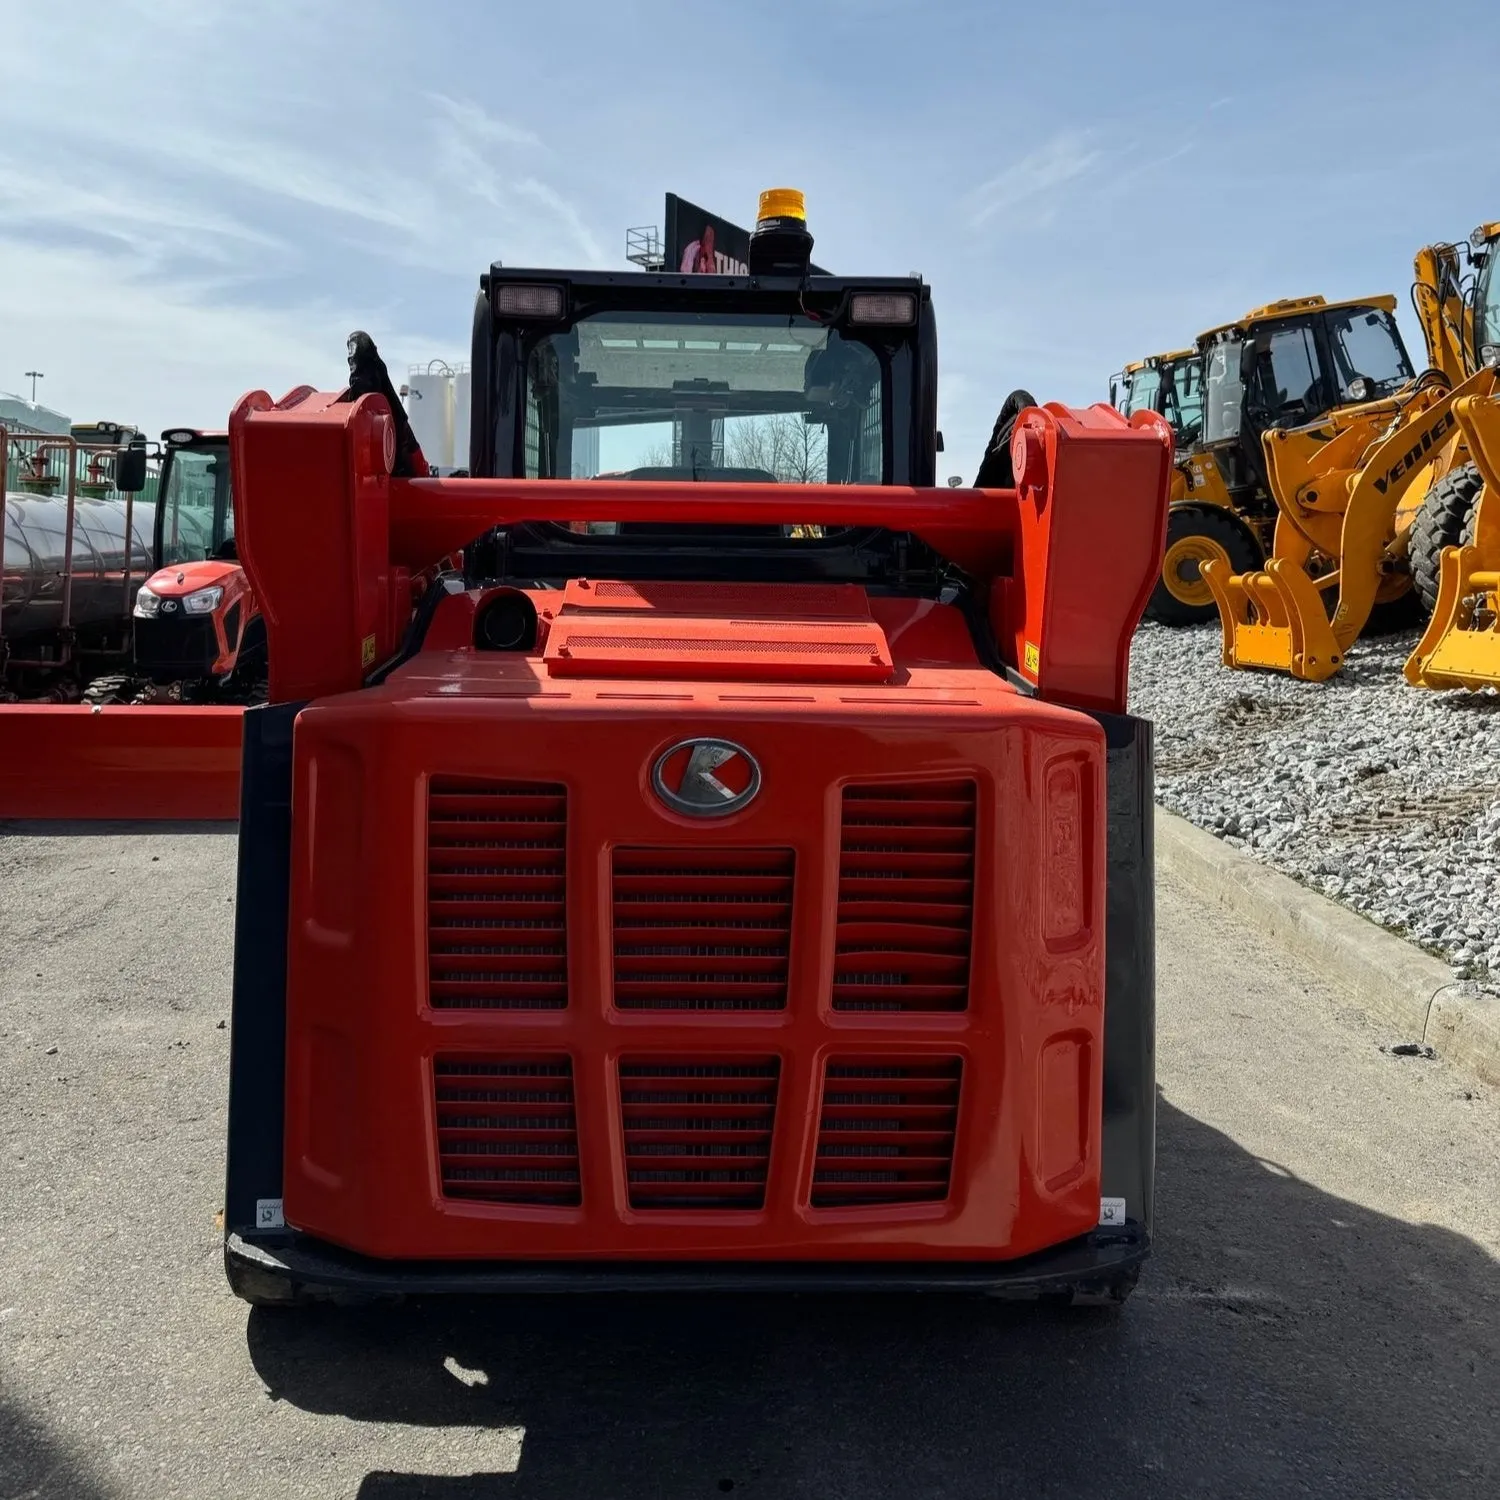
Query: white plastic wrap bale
point(36, 537)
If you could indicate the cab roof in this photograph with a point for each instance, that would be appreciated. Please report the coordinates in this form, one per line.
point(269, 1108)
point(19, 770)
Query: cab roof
point(1291, 307)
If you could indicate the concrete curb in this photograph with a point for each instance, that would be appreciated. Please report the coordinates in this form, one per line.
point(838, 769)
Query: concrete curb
point(1399, 985)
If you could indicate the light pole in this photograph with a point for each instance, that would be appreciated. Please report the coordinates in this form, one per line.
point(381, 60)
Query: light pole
point(33, 376)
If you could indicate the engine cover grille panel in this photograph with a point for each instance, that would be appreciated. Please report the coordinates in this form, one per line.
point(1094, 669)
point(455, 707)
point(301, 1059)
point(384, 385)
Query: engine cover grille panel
point(496, 889)
point(507, 1130)
point(698, 1134)
point(886, 1131)
point(906, 898)
point(702, 929)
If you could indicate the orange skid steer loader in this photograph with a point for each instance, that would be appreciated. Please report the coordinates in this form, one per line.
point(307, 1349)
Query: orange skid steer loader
point(752, 889)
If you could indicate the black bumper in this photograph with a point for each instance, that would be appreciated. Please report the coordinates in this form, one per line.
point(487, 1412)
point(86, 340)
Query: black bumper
point(282, 1269)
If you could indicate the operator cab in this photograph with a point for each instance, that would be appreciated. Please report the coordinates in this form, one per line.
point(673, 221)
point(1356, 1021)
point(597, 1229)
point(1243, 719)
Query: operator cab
point(195, 617)
point(1288, 365)
point(1171, 385)
point(794, 379)
point(1484, 254)
point(195, 508)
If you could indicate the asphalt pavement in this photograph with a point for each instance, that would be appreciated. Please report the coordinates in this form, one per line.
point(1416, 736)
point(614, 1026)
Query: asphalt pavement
point(1322, 1315)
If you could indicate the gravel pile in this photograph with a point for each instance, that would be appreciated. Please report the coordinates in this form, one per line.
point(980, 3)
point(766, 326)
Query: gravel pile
point(1384, 797)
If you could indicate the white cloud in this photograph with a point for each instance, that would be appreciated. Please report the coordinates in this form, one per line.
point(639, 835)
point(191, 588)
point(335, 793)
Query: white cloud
point(115, 346)
point(566, 214)
point(474, 123)
point(485, 160)
point(1033, 181)
point(152, 227)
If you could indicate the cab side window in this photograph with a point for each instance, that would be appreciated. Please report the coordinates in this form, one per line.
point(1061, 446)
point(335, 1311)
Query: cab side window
point(1290, 388)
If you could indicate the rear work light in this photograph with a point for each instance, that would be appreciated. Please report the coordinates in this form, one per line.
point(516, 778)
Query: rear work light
point(883, 307)
point(518, 301)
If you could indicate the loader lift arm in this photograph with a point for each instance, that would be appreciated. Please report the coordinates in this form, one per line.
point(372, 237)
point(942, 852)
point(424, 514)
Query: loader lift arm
point(1461, 646)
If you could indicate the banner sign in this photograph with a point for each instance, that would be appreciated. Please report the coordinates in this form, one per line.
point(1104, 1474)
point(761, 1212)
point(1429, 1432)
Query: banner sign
point(700, 242)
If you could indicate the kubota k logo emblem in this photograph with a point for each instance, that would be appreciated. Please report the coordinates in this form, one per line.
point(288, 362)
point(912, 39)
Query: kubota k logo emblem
point(706, 778)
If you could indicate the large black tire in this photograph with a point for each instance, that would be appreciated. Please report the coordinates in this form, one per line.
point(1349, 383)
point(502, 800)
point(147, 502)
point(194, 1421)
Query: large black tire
point(113, 689)
point(1445, 520)
point(1194, 534)
point(1387, 616)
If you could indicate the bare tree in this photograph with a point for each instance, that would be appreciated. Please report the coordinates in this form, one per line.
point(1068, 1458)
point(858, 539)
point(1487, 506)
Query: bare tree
point(782, 444)
point(658, 456)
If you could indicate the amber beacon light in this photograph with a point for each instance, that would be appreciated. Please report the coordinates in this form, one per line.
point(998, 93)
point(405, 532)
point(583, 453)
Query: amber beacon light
point(781, 245)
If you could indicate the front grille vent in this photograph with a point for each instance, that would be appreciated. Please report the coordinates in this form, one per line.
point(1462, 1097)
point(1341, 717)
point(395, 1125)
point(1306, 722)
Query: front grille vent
point(698, 1134)
point(702, 929)
point(507, 1131)
point(885, 1132)
point(906, 898)
point(496, 887)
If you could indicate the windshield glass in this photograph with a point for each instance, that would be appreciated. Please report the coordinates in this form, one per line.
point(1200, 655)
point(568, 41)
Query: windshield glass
point(1487, 302)
point(1141, 390)
point(1185, 400)
point(682, 395)
point(1366, 345)
point(1223, 392)
point(197, 511)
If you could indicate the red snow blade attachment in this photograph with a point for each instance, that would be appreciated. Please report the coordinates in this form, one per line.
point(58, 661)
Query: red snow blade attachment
point(125, 762)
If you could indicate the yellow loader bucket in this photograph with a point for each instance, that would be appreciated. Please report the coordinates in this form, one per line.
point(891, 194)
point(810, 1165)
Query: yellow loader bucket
point(1274, 619)
point(1461, 646)
point(1278, 619)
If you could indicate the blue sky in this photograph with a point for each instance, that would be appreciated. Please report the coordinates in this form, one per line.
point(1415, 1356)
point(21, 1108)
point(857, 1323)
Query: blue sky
point(200, 198)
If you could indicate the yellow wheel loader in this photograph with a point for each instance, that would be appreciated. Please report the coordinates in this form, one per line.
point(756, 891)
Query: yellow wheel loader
point(1350, 487)
point(1169, 384)
point(1461, 646)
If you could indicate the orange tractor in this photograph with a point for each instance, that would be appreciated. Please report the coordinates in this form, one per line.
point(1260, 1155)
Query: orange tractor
point(197, 633)
point(115, 600)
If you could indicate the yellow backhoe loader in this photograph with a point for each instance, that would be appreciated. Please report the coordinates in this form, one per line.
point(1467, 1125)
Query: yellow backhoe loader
point(1282, 365)
point(1349, 488)
point(1461, 646)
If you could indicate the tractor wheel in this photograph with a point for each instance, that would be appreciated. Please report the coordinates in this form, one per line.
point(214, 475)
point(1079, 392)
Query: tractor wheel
point(1197, 534)
point(113, 689)
point(1446, 515)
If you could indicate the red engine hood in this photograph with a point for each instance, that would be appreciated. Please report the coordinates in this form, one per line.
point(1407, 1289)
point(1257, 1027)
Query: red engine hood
point(187, 578)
